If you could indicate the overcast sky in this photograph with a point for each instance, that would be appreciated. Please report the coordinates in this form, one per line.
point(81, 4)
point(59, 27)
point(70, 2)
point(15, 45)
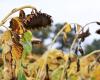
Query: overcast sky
point(80, 11)
point(72, 11)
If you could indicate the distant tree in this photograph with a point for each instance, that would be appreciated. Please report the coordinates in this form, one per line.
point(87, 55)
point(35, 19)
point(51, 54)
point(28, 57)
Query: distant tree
point(64, 45)
point(45, 34)
point(95, 45)
point(42, 35)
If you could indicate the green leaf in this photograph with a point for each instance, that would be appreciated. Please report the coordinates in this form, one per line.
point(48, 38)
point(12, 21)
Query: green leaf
point(26, 42)
point(21, 76)
point(27, 47)
point(27, 36)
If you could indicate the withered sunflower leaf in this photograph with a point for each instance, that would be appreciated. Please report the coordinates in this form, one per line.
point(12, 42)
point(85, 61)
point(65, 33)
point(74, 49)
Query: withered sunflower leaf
point(17, 25)
point(22, 14)
point(67, 28)
point(83, 35)
point(16, 51)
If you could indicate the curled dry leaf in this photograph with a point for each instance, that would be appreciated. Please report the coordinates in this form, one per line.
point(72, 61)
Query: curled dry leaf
point(22, 14)
point(83, 35)
point(16, 51)
point(67, 28)
point(16, 37)
point(16, 25)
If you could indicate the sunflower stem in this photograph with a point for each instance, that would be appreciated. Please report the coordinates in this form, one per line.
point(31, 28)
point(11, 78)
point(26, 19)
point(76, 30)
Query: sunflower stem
point(13, 11)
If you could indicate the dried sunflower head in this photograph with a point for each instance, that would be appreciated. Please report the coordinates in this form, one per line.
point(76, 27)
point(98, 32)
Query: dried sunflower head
point(36, 20)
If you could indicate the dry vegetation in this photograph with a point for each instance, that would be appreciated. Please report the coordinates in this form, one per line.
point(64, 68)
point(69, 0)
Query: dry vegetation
point(18, 63)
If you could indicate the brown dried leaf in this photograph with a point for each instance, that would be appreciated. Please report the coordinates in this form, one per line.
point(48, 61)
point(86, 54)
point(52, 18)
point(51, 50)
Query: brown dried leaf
point(83, 35)
point(16, 37)
point(21, 14)
point(17, 25)
point(16, 51)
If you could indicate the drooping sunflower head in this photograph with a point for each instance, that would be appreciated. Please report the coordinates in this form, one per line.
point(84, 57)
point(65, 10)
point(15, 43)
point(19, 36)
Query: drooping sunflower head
point(36, 20)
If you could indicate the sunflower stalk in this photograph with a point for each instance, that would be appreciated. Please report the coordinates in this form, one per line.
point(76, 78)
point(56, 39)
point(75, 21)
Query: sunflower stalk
point(13, 11)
